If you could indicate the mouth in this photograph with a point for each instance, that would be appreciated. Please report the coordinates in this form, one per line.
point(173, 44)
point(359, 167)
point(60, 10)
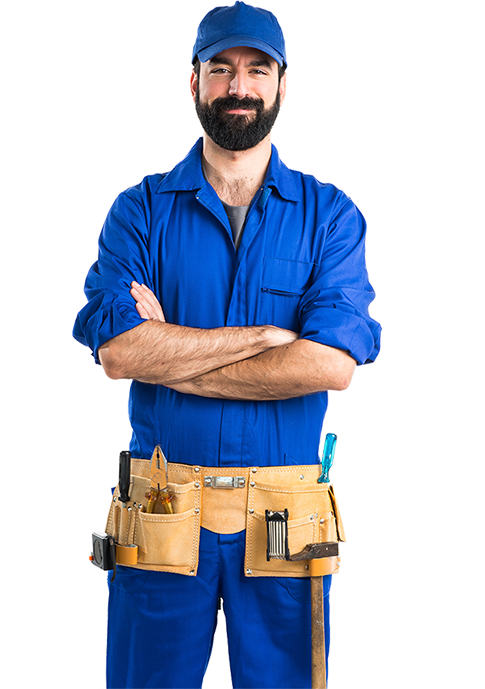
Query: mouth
point(239, 111)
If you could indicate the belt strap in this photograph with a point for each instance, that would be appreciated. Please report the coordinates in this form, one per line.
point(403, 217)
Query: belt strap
point(224, 494)
point(225, 489)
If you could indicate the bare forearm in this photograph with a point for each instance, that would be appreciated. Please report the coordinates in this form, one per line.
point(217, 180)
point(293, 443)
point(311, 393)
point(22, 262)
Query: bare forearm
point(167, 354)
point(300, 368)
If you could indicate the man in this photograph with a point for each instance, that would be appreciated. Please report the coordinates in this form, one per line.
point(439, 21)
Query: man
point(233, 292)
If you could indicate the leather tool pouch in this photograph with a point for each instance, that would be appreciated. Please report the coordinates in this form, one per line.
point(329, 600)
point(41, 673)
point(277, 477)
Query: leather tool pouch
point(165, 542)
point(223, 500)
point(314, 517)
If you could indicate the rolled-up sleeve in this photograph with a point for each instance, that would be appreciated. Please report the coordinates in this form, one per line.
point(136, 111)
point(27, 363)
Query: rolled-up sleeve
point(335, 309)
point(123, 257)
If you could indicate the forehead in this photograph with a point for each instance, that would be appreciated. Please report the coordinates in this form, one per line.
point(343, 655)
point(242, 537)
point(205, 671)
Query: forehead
point(245, 56)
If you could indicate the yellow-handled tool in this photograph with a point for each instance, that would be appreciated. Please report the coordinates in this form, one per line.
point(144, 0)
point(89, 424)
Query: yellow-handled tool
point(158, 484)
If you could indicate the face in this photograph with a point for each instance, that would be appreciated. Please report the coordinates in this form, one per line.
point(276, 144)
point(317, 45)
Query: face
point(238, 96)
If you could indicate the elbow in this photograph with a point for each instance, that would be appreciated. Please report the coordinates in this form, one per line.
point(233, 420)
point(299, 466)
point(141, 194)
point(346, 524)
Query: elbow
point(341, 383)
point(111, 361)
point(341, 373)
point(332, 368)
point(344, 374)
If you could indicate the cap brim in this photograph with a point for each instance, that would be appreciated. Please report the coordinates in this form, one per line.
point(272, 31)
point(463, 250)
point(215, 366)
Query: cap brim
point(236, 42)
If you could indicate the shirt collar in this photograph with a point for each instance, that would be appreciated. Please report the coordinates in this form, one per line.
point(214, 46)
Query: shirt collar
point(188, 175)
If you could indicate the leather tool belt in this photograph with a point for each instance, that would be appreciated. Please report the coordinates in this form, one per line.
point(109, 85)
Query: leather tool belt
point(224, 500)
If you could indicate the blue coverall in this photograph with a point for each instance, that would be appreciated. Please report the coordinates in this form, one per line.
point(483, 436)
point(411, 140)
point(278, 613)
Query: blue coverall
point(300, 266)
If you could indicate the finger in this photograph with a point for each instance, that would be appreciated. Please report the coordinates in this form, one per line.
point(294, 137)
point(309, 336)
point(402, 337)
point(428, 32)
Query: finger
point(153, 309)
point(150, 301)
point(144, 294)
point(142, 312)
point(146, 310)
point(141, 295)
point(142, 303)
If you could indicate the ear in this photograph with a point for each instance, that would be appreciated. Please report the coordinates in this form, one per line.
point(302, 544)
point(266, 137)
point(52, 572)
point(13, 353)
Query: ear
point(282, 88)
point(193, 84)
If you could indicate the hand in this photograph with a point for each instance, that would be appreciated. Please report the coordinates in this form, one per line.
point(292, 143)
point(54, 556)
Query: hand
point(147, 304)
point(278, 337)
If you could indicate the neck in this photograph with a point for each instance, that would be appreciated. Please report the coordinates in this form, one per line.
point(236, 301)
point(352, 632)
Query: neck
point(236, 175)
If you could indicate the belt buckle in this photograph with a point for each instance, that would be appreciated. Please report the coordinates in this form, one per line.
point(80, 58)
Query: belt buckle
point(224, 482)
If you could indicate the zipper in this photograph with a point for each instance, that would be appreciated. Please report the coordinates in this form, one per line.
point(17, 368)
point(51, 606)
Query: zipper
point(280, 293)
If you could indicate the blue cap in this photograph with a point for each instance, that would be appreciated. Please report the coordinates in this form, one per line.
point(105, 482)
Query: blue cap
point(241, 25)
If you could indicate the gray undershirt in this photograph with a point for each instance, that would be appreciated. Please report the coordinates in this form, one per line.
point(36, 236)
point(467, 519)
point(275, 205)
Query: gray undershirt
point(236, 215)
point(237, 218)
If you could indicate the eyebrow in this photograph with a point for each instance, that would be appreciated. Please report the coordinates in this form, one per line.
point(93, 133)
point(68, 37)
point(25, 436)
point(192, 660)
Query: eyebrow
point(226, 61)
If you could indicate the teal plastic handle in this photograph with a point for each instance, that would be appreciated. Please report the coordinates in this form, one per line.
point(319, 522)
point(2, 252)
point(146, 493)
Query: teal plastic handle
point(327, 457)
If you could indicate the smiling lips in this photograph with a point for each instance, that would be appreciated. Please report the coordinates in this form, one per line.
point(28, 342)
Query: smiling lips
point(239, 111)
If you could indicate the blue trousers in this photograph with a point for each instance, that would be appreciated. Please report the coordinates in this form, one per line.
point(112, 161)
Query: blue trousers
point(161, 625)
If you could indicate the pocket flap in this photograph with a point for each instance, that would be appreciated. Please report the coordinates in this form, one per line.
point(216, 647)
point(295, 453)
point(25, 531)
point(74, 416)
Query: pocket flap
point(283, 275)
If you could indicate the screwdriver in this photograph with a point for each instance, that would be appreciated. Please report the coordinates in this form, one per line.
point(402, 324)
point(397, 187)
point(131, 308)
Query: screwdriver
point(327, 457)
point(124, 476)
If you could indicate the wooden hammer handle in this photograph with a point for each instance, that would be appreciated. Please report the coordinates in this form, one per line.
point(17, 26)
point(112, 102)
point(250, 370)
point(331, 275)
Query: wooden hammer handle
point(319, 669)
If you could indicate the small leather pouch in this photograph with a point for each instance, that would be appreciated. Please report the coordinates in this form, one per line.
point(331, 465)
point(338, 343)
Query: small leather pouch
point(165, 542)
point(313, 517)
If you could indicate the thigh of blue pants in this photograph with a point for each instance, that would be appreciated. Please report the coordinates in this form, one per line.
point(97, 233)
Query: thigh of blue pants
point(161, 625)
point(268, 625)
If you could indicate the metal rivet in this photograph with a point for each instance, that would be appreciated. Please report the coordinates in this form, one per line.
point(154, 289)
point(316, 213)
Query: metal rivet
point(115, 499)
point(251, 511)
point(207, 481)
point(197, 510)
point(192, 571)
point(249, 571)
point(301, 477)
point(321, 521)
point(197, 485)
point(254, 470)
point(252, 484)
point(197, 469)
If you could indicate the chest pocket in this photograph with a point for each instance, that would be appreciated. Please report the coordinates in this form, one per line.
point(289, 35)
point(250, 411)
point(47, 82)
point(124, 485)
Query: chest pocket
point(283, 282)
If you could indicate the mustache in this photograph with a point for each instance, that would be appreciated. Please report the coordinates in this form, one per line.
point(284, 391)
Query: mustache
point(233, 103)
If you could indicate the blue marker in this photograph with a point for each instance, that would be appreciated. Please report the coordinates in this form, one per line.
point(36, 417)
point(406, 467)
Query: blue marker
point(327, 457)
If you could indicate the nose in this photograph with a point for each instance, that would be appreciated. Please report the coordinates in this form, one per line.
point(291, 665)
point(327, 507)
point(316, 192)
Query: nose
point(238, 86)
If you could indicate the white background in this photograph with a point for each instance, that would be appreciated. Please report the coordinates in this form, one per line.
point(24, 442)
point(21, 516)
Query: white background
point(385, 100)
point(422, 603)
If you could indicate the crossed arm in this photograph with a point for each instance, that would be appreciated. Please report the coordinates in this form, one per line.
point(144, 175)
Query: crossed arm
point(248, 363)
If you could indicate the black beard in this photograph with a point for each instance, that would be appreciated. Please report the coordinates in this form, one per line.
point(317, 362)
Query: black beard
point(237, 132)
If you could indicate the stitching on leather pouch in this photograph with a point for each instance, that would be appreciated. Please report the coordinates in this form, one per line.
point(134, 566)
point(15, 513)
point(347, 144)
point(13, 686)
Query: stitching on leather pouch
point(132, 522)
point(135, 532)
point(295, 469)
point(196, 529)
point(169, 521)
point(184, 488)
point(127, 534)
point(292, 523)
point(250, 530)
point(295, 491)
